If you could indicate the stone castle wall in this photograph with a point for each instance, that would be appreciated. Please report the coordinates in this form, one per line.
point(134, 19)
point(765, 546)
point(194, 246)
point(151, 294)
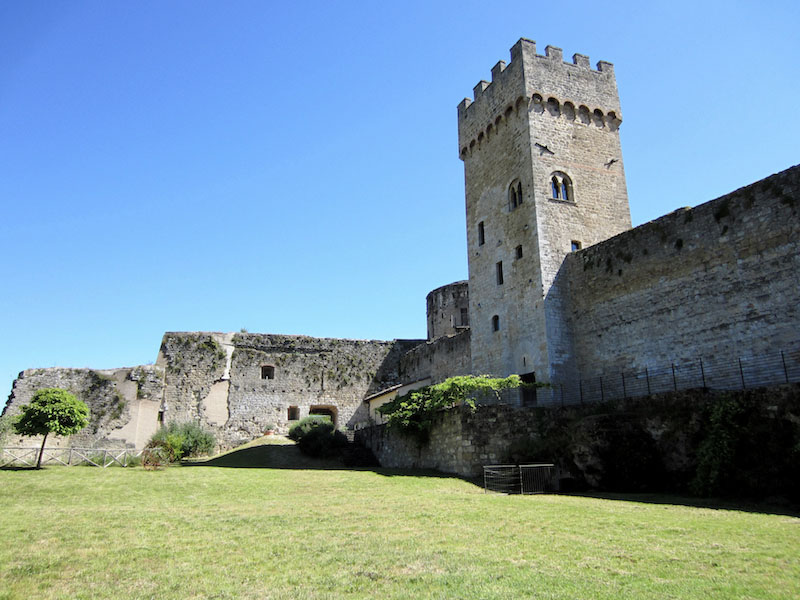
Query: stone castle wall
point(437, 360)
point(447, 310)
point(123, 404)
point(239, 384)
point(638, 444)
point(233, 384)
point(718, 280)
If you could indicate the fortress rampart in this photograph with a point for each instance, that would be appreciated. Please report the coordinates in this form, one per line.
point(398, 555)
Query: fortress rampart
point(718, 280)
point(235, 384)
point(560, 287)
point(448, 309)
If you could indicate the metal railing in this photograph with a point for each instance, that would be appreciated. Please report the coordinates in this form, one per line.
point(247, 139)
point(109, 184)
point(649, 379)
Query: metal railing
point(745, 372)
point(520, 479)
point(93, 457)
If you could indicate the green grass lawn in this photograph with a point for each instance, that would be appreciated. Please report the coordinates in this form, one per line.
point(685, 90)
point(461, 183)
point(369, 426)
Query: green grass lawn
point(222, 532)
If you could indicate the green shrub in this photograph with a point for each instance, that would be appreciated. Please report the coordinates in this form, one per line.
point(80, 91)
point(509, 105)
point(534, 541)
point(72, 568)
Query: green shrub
point(302, 427)
point(323, 441)
point(316, 436)
point(6, 425)
point(413, 413)
point(182, 440)
point(155, 455)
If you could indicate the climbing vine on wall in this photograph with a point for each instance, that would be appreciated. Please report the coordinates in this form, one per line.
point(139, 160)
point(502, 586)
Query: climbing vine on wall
point(717, 451)
point(414, 413)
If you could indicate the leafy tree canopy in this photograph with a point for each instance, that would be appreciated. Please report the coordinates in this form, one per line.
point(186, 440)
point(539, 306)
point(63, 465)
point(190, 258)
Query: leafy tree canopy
point(414, 412)
point(52, 410)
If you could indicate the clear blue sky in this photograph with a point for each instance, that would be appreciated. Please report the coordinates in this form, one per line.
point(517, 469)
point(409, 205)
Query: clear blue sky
point(293, 167)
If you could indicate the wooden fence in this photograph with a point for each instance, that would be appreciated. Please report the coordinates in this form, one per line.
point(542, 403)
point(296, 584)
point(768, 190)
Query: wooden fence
point(92, 457)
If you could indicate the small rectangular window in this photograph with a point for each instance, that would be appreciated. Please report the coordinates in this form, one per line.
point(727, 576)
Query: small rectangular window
point(267, 372)
point(294, 413)
point(495, 323)
point(464, 317)
point(500, 273)
point(576, 245)
point(519, 252)
point(481, 236)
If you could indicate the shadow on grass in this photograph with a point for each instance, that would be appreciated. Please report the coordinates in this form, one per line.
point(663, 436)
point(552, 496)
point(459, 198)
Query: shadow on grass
point(783, 508)
point(18, 468)
point(287, 456)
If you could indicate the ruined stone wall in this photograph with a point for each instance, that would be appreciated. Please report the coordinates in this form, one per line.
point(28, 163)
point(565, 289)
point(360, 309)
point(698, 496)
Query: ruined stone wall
point(715, 281)
point(238, 384)
point(123, 404)
point(233, 384)
point(448, 310)
point(442, 358)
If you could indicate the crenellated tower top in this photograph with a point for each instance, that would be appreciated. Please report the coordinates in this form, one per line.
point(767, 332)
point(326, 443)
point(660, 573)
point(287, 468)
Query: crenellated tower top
point(586, 93)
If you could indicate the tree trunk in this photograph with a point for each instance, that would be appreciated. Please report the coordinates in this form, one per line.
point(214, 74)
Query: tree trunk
point(41, 451)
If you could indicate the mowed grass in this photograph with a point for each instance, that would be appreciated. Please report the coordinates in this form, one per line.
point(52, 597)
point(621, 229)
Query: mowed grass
point(215, 532)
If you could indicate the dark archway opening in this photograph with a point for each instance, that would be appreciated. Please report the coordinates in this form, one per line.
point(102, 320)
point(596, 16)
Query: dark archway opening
point(327, 411)
point(528, 392)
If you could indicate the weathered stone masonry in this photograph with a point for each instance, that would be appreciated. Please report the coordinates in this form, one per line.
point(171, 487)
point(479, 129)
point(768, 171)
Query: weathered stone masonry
point(716, 281)
point(559, 286)
point(234, 384)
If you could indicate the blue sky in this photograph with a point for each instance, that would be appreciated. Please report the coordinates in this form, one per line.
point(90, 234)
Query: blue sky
point(293, 167)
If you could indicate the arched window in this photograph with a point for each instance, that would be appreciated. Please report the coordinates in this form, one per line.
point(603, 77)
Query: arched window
point(555, 187)
point(514, 195)
point(495, 323)
point(561, 187)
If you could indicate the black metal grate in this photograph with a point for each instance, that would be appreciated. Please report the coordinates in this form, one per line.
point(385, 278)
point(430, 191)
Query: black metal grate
point(520, 479)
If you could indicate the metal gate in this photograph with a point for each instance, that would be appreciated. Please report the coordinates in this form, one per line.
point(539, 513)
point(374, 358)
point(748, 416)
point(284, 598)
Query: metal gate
point(537, 478)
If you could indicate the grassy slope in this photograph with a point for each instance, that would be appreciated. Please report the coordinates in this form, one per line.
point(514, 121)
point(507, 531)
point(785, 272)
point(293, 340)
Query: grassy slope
point(209, 532)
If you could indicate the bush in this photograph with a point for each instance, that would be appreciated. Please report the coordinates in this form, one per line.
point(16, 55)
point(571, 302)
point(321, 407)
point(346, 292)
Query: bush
point(181, 440)
point(301, 428)
point(6, 426)
point(155, 455)
point(323, 441)
point(316, 436)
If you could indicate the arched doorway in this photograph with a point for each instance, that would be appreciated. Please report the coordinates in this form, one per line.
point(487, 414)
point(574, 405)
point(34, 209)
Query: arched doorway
point(324, 410)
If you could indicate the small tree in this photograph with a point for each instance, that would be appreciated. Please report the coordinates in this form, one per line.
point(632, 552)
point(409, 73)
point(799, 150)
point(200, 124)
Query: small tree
point(52, 410)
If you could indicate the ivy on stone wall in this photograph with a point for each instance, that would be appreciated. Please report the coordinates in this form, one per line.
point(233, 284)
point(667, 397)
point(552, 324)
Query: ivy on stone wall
point(414, 413)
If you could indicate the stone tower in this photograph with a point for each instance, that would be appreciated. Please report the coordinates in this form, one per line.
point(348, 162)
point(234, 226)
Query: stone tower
point(544, 176)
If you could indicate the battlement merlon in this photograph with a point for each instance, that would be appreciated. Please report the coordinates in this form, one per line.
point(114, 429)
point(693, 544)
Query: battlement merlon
point(530, 73)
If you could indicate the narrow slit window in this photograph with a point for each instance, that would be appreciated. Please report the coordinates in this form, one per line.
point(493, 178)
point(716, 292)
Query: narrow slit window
point(514, 195)
point(500, 273)
point(518, 252)
point(495, 323)
point(481, 234)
